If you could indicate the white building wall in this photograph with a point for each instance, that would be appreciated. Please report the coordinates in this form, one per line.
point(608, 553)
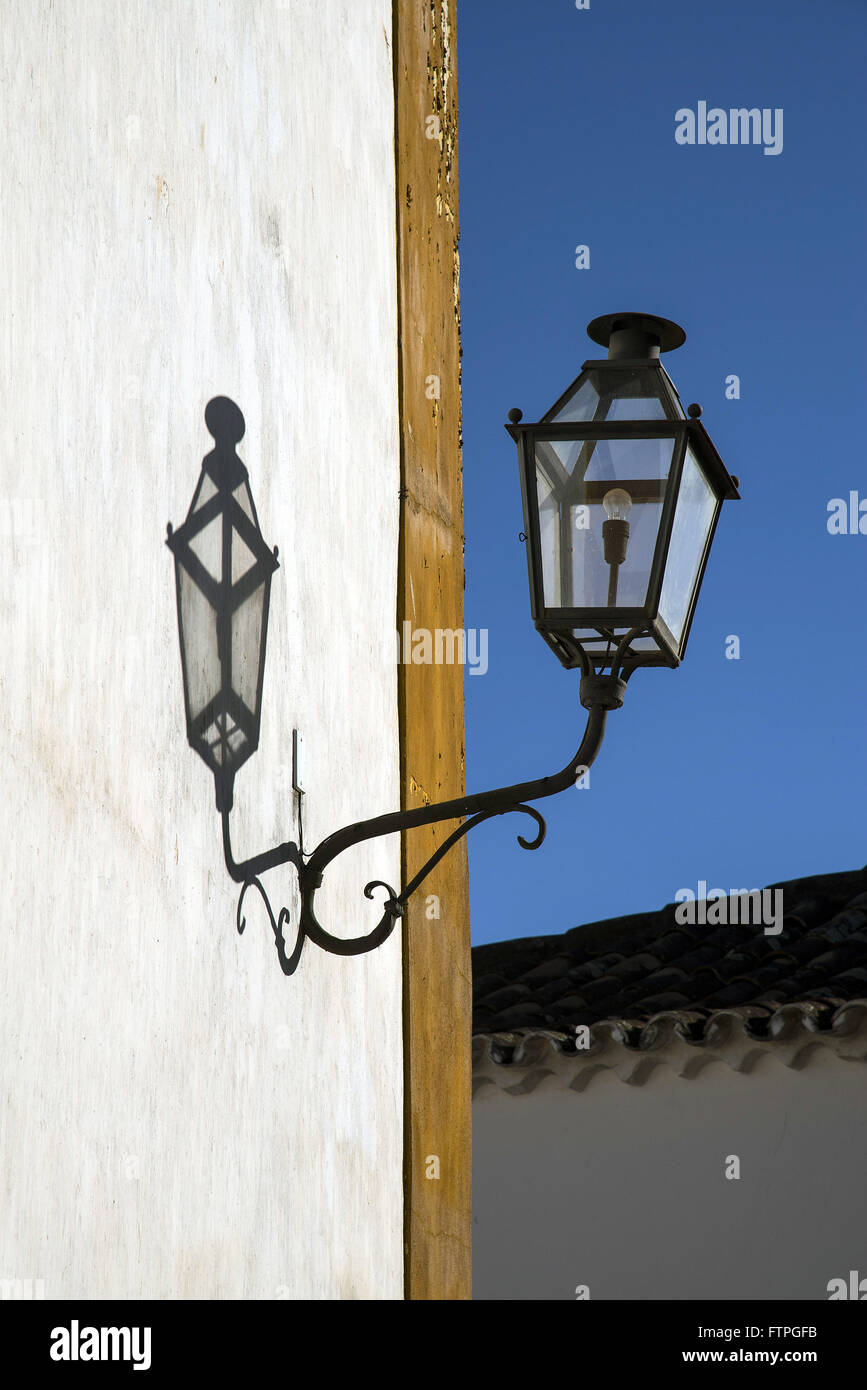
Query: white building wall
point(198, 199)
point(622, 1188)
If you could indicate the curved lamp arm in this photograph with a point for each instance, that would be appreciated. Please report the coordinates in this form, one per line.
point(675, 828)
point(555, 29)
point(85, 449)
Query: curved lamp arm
point(598, 694)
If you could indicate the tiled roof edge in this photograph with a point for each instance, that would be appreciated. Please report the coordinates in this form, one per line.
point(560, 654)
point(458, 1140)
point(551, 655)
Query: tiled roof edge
point(687, 1042)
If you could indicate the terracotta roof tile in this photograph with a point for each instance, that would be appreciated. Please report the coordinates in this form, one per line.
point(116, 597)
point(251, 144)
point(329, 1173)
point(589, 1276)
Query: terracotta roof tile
point(645, 975)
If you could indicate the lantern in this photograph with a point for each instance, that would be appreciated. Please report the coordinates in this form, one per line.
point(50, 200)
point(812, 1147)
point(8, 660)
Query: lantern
point(622, 491)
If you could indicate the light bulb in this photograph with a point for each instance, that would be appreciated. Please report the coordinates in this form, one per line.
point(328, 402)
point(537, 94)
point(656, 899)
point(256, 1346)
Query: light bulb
point(617, 504)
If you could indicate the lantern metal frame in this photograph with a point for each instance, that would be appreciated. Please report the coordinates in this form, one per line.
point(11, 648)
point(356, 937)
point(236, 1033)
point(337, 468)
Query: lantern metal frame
point(552, 622)
point(627, 335)
point(599, 691)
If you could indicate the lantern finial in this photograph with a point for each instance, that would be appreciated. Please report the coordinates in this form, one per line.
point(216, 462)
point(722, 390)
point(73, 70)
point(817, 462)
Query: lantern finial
point(636, 335)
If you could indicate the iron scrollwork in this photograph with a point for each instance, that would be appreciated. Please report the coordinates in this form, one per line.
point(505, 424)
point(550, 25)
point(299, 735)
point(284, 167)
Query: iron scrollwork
point(598, 693)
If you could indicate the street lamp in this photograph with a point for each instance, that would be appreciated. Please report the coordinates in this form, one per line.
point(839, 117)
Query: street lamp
point(622, 492)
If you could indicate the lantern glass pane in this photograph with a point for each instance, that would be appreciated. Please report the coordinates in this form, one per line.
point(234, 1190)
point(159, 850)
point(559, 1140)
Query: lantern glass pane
point(608, 393)
point(198, 622)
point(616, 460)
point(246, 648)
point(638, 395)
point(693, 519)
point(580, 485)
point(580, 405)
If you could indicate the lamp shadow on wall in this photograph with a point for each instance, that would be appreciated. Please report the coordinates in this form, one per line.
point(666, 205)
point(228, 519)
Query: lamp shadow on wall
point(223, 570)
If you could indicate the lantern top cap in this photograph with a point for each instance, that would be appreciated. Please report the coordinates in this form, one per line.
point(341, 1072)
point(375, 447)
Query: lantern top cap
point(224, 421)
point(634, 335)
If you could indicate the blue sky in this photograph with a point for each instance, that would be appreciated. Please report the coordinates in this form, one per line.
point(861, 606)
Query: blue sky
point(740, 773)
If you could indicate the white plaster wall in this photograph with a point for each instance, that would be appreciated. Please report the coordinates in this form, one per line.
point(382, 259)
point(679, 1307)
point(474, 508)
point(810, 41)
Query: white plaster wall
point(197, 199)
point(623, 1188)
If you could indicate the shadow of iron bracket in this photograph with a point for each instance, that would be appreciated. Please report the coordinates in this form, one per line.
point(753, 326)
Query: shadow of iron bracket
point(599, 695)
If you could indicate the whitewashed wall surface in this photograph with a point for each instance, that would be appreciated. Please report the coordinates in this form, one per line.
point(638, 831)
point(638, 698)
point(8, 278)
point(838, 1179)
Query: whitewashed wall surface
point(628, 1191)
point(198, 199)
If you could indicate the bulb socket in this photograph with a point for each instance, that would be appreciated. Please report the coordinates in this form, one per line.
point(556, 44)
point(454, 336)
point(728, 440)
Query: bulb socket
point(615, 536)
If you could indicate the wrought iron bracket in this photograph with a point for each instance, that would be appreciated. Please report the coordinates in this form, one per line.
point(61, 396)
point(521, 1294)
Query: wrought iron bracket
point(599, 693)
